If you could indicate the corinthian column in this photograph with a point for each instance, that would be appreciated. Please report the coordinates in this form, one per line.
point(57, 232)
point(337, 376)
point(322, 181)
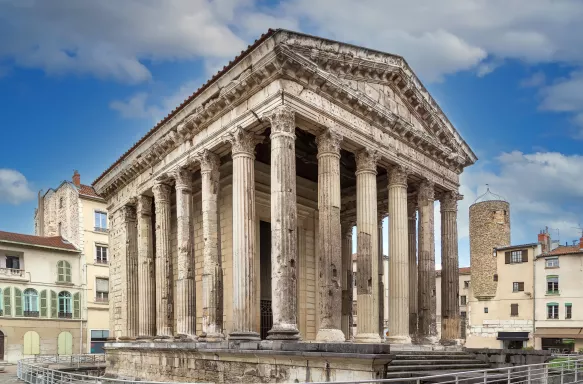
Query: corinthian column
point(426, 327)
point(163, 262)
point(398, 257)
point(185, 299)
point(283, 224)
point(367, 248)
point(243, 154)
point(128, 214)
point(329, 237)
point(450, 316)
point(146, 270)
point(212, 274)
point(347, 278)
point(412, 232)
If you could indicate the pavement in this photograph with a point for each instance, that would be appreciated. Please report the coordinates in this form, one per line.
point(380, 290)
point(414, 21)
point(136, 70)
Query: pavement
point(9, 376)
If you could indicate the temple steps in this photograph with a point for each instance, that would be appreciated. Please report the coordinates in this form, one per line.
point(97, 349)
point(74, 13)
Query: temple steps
point(410, 364)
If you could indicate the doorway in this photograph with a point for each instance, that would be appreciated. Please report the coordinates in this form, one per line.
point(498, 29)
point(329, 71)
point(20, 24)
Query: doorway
point(266, 321)
point(1, 346)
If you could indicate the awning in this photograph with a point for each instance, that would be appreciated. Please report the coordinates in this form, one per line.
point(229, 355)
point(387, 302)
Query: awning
point(559, 333)
point(514, 336)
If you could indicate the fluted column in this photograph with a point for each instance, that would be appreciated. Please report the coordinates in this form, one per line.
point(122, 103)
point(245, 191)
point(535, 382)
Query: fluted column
point(367, 248)
point(450, 315)
point(412, 232)
point(243, 154)
point(128, 214)
point(426, 327)
point(164, 310)
point(146, 270)
point(347, 278)
point(398, 257)
point(329, 237)
point(212, 274)
point(185, 285)
point(381, 272)
point(283, 224)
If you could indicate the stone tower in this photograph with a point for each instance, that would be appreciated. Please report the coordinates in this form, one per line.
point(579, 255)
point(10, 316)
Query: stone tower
point(489, 228)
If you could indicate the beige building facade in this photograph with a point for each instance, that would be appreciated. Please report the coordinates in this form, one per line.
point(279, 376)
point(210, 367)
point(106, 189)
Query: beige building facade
point(75, 212)
point(463, 289)
point(40, 297)
point(285, 151)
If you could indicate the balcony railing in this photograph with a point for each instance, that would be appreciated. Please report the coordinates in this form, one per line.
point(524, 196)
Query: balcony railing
point(65, 315)
point(30, 313)
point(101, 261)
point(100, 229)
point(102, 300)
point(11, 272)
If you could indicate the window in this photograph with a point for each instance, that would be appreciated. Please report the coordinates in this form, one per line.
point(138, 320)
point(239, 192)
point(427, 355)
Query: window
point(101, 290)
point(100, 254)
point(98, 339)
point(518, 286)
point(12, 262)
point(515, 257)
point(60, 229)
point(30, 303)
point(552, 262)
point(64, 271)
point(513, 309)
point(552, 311)
point(100, 221)
point(568, 311)
point(485, 309)
point(65, 305)
point(466, 284)
point(463, 300)
point(552, 284)
point(61, 202)
point(463, 314)
point(495, 277)
point(65, 343)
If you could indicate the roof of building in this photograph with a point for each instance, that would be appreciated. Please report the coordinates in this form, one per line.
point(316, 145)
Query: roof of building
point(87, 190)
point(462, 271)
point(529, 245)
point(55, 242)
point(564, 250)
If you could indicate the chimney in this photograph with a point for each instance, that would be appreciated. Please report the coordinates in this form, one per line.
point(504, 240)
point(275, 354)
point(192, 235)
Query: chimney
point(77, 179)
point(544, 240)
point(581, 243)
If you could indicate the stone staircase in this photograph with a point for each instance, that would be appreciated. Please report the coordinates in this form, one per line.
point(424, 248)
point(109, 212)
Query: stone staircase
point(409, 364)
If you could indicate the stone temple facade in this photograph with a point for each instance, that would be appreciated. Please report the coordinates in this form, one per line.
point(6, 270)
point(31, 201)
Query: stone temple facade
point(231, 220)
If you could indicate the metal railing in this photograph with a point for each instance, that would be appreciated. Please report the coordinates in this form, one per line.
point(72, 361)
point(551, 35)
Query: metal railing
point(36, 371)
point(564, 370)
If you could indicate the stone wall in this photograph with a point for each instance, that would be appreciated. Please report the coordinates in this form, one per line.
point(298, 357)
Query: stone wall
point(499, 358)
point(252, 362)
point(68, 215)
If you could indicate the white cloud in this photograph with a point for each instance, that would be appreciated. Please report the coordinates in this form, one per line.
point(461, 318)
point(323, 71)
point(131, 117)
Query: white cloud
point(135, 107)
point(14, 188)
point(536, 80)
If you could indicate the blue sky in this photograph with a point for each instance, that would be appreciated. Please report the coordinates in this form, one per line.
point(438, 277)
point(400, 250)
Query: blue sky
point(81, 81)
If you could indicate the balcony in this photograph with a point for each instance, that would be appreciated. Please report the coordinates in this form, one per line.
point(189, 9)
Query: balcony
point(30, 313)
point(100, 229)
point(11, 273)
point(65, 315)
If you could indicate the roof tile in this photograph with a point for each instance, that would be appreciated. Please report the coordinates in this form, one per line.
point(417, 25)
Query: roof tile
point(53, 242)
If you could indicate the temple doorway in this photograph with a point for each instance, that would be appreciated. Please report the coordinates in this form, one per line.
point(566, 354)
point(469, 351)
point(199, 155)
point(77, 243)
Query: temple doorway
point(265, 277)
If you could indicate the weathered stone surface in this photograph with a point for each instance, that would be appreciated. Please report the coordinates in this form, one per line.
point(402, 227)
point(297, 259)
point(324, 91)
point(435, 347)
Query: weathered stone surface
point(412, 232)
point(164, 280)
point(283, 224)
point(129, 220)
point(146, 269)
point(329, 241)
point(347, 282)
point(398, 257)
point(367, 248)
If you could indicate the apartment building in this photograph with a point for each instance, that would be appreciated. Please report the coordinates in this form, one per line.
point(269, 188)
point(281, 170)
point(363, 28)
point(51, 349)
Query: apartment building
point(74, 211)
point(464, 287)
point(40, 297)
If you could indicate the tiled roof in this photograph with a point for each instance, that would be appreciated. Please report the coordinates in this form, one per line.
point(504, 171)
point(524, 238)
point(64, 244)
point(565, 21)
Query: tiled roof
point(564, 250)
point(87, 190)
point(226, 68)
point(52, 242)
point(462, 271)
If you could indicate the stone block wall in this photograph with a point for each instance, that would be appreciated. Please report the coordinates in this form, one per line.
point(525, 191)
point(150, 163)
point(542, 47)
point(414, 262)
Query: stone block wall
point(68, 215)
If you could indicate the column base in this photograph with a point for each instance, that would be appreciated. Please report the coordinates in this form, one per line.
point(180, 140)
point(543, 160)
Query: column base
point(211, 337)
point(163, 338)
point(244, 336)
point(279, 332)
point(398, 340)
point(185, 338)
point(330, 335)
point(367, 338)
point(450, 342)
point(145, 337)
point(426, 340)
point(126, 338)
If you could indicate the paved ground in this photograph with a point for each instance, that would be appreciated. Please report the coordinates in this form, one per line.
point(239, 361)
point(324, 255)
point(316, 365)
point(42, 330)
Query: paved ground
point(9, 376)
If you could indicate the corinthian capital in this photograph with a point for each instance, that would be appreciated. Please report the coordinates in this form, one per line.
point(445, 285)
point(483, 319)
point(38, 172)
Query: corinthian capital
point(161, 192)
point(426, 192)
point(144, 205)
point(209, 161)
point(398, 175)
point(243, 142)
point(128, 213)
point(366, 160)
point(183, 179)
point(449, 201)
point(282, 119)
point(329, 142)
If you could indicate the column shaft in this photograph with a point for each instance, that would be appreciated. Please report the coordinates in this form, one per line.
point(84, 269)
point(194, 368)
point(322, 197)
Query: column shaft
point(383, 300)
point(426, 326)
point(367, 248)
point(146, 270)
point(185, 285)
point(283, 224)
point(347, 282)
point(329, 237)
point(131, 271)
point(412, 221)
point(244, 311)
point(398, 257)
point(212, 275)
point(450, 316)
point(164, 310)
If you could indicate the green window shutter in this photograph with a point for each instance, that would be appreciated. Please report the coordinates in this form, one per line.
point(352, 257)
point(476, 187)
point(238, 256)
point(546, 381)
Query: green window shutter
point(67, 272)
point(43, 304)
point(507, 257)
point(76, 306)
point(54, 304)
point(7, 302)
point(17, 302)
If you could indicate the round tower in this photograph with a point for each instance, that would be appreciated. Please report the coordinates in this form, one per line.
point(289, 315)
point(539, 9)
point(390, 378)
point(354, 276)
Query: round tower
point(489, 228)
